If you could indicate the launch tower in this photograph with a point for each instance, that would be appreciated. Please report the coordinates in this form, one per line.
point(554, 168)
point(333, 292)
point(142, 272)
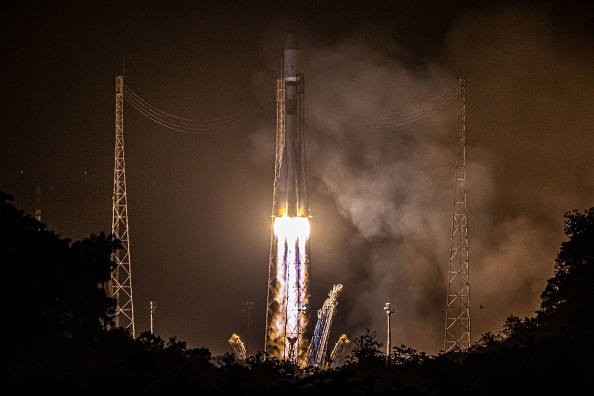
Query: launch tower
point(317, 351)
point(238, 347)
point(457, 332)
point(288, 270)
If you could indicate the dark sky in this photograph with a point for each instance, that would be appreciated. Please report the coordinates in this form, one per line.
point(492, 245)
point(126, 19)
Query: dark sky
point(380, 189)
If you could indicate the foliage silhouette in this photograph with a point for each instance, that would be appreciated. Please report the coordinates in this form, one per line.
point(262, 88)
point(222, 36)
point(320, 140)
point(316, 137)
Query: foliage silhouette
point(58, 334)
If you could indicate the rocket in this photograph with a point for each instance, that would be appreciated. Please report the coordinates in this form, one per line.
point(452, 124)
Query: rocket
point(291, 196)
point(288, 274)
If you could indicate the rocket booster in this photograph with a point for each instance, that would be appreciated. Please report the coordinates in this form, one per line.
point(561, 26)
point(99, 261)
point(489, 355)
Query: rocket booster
point(291, 193)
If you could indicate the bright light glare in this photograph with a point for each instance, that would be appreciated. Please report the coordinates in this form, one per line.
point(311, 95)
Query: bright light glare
point(292, 234)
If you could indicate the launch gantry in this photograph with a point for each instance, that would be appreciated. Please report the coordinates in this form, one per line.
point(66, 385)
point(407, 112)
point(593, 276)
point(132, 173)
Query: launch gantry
point(238, 347)
point(337, 351)
point(317, 351)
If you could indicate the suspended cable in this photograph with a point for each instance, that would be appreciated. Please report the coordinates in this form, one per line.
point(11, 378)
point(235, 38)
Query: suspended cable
point(184, 125)
point(411, 115)
point(222, 125)
point(233, 121)
point(185, 121)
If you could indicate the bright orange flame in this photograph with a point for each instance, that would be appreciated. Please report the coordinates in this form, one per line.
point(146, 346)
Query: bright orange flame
point(292, 234)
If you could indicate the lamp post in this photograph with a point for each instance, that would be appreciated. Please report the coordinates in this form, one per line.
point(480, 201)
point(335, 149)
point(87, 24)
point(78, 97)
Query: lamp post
point(389, 311)
point(153, 305)
point(247, 308)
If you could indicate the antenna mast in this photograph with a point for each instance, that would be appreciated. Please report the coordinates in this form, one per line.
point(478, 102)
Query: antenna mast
point(121, 277)
point(457, 331)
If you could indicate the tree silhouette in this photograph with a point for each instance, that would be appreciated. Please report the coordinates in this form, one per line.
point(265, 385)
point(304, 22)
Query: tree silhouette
point(55, 303)
point(567, 306)
point(55, 285)
point(366, 349)
point(58, 334)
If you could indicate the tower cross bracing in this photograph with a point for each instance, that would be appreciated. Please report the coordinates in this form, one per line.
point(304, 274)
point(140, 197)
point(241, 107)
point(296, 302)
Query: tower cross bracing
point(457, 330)
point(121, 278)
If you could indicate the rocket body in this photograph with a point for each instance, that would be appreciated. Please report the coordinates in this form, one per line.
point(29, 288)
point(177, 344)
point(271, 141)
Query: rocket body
point(291, 193)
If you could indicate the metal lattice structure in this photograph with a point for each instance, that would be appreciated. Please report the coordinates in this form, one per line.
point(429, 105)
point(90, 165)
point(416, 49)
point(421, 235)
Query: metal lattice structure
point(272, 305)
point(238, 347)
point(338, 352)
point(457, 331)
point(318, 347)
point(121, 278)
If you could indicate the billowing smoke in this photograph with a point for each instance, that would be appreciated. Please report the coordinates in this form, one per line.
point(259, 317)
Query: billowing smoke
point(379, 147)
point(381, 152)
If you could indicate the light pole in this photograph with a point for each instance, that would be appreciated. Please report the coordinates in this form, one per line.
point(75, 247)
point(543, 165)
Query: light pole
point(153, 305)
point(247, 307)
point(389, 311)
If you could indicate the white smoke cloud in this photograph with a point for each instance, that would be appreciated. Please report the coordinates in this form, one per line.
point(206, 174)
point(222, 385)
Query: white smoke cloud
point(394, 184)
point(381, 190)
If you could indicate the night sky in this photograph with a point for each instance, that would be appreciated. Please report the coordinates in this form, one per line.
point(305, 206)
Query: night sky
point(380, 174)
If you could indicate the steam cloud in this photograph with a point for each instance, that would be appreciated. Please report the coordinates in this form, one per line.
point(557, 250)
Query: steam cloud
point(381, 190)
